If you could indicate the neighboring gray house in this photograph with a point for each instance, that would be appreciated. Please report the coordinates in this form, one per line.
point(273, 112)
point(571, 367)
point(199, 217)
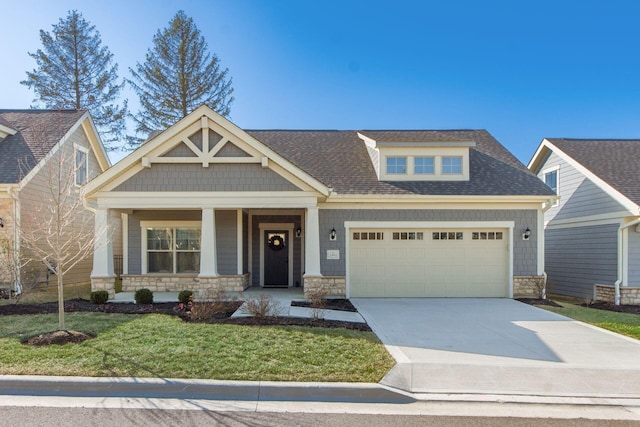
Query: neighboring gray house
point(206, 205)
point(592, 234)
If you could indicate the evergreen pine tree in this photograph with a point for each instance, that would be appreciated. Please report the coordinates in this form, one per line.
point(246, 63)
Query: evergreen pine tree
point(178, 76)
point(75, 71)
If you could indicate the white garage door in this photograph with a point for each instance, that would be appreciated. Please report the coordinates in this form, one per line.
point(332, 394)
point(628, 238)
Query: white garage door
point(428, 263)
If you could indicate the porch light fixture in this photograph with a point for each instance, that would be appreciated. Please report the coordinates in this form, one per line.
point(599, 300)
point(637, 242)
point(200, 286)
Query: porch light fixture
point(1, 223)
point(332, 234)
point(527, 234)
point(298, 232)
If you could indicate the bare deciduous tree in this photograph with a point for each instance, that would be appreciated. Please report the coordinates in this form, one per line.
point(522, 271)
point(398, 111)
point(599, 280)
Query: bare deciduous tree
point(58, 230)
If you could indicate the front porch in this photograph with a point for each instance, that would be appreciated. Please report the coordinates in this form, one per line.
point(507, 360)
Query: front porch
point(212, 250)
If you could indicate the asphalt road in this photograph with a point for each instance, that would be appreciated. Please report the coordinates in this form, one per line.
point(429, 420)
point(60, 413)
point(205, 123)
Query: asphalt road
point(62, 417)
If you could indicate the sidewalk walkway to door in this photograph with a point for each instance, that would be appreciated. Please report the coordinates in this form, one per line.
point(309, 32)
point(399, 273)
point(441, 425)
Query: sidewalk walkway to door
point(283, 296)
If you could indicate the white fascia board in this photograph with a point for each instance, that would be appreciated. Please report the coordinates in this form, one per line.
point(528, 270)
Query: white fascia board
point(401, 144)
point(6, 130)
point(89, 128)
point(199, 200)
point(537, 156)
point(631, 206)
point(430, 206)
point(412, 198)
point(370, 142)
point(6, 190)
point(429, 224)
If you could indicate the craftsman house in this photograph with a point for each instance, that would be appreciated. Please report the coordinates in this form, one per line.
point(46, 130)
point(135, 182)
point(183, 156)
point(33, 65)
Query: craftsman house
point(206, 205)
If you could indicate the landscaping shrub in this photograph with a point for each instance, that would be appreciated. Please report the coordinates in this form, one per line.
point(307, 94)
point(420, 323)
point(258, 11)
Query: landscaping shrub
point(99, 297)
point(143, 296)
point(185, 297)
point(261, 306)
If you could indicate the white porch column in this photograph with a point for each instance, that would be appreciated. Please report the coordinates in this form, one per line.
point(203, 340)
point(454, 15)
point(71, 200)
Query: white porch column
point(102, 246)
point(312, 243)
point(208, 255)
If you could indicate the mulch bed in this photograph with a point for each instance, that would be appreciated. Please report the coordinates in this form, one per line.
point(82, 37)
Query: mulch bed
point(633, 309)
point(329, 304)
point(539, 301)
point(58, 338)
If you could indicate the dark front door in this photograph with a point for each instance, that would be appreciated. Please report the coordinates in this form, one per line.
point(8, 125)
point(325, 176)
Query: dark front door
point(276, 258)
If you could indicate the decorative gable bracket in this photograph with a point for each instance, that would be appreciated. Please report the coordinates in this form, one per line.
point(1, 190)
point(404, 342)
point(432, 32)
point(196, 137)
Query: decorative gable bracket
point(204, 155)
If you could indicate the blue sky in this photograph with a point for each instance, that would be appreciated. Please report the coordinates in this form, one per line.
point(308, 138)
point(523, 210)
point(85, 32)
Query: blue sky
point(523, 70)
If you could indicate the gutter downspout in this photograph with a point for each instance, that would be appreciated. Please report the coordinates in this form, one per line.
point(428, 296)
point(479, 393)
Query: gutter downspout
point(620, 257)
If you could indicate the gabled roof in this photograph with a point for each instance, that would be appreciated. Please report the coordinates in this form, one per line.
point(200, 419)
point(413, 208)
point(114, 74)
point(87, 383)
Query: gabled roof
point(614, 161)
point(340, 160)
point(37, 132)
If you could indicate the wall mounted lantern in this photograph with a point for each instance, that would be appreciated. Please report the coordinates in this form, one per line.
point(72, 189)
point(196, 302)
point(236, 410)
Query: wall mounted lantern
point(298, 232)
point(1, 223)
point(527, 234)
point(332, 234)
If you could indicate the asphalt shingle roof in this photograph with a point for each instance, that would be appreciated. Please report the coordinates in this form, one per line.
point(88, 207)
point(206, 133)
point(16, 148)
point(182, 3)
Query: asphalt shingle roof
point(339, 159)
point(38, 132)
point(616, 161)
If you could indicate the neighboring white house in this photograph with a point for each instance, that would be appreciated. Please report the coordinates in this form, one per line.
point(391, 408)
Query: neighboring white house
point(207, 205)
point(592, 234)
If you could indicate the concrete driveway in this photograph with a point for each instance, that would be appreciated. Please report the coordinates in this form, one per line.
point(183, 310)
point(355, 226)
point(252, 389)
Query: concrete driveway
point(499, 346)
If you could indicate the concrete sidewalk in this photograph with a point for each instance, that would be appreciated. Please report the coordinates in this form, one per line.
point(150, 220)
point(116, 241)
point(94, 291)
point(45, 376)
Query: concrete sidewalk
point(283, 297)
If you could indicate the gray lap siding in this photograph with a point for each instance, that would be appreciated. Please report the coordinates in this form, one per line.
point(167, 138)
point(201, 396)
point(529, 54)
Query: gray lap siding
point(576, 258)
point(524, 252)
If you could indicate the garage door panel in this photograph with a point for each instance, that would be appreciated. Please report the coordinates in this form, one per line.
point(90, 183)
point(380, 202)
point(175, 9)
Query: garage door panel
point(461, 267)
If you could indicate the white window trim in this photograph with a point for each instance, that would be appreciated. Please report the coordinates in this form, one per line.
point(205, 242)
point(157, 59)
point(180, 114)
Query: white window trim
point(407, 160)
point(157, 224)
point(452, 173)
point(84, 150)
point(555, 169)
point(422, 173)
point(436, 153)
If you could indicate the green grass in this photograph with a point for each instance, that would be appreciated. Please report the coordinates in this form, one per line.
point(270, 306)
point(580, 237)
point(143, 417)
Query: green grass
point(164, 346)
point(622, 323)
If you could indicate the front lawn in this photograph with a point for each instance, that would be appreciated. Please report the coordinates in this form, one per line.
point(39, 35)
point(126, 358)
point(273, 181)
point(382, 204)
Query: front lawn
point(622, 323)
point(157, 345)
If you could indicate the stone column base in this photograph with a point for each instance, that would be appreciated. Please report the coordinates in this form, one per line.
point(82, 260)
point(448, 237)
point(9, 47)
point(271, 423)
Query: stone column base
point(528, 286)
point(104, 284)
point(332, 286)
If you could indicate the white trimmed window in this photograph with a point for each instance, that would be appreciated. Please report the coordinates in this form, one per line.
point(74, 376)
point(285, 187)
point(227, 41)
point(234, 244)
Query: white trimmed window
point(80, 155)
point(451, 165)
point(551, 179)
point(423, 166)
point(172, 250)
point(396, 165)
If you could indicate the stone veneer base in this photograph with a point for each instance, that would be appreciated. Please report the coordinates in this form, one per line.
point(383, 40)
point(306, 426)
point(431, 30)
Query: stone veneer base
point(333, 286)
point(104, 284)
point(201, 286)
point(527, 286)
point(607, 293)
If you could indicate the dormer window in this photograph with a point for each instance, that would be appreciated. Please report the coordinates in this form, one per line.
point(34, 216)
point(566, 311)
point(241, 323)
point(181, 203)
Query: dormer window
point(396, 165)
point(416, 160)
point(424, 166)
point(452, 165)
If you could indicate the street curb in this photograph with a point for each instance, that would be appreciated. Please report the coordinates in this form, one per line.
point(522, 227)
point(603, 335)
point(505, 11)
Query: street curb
point(200, 389)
